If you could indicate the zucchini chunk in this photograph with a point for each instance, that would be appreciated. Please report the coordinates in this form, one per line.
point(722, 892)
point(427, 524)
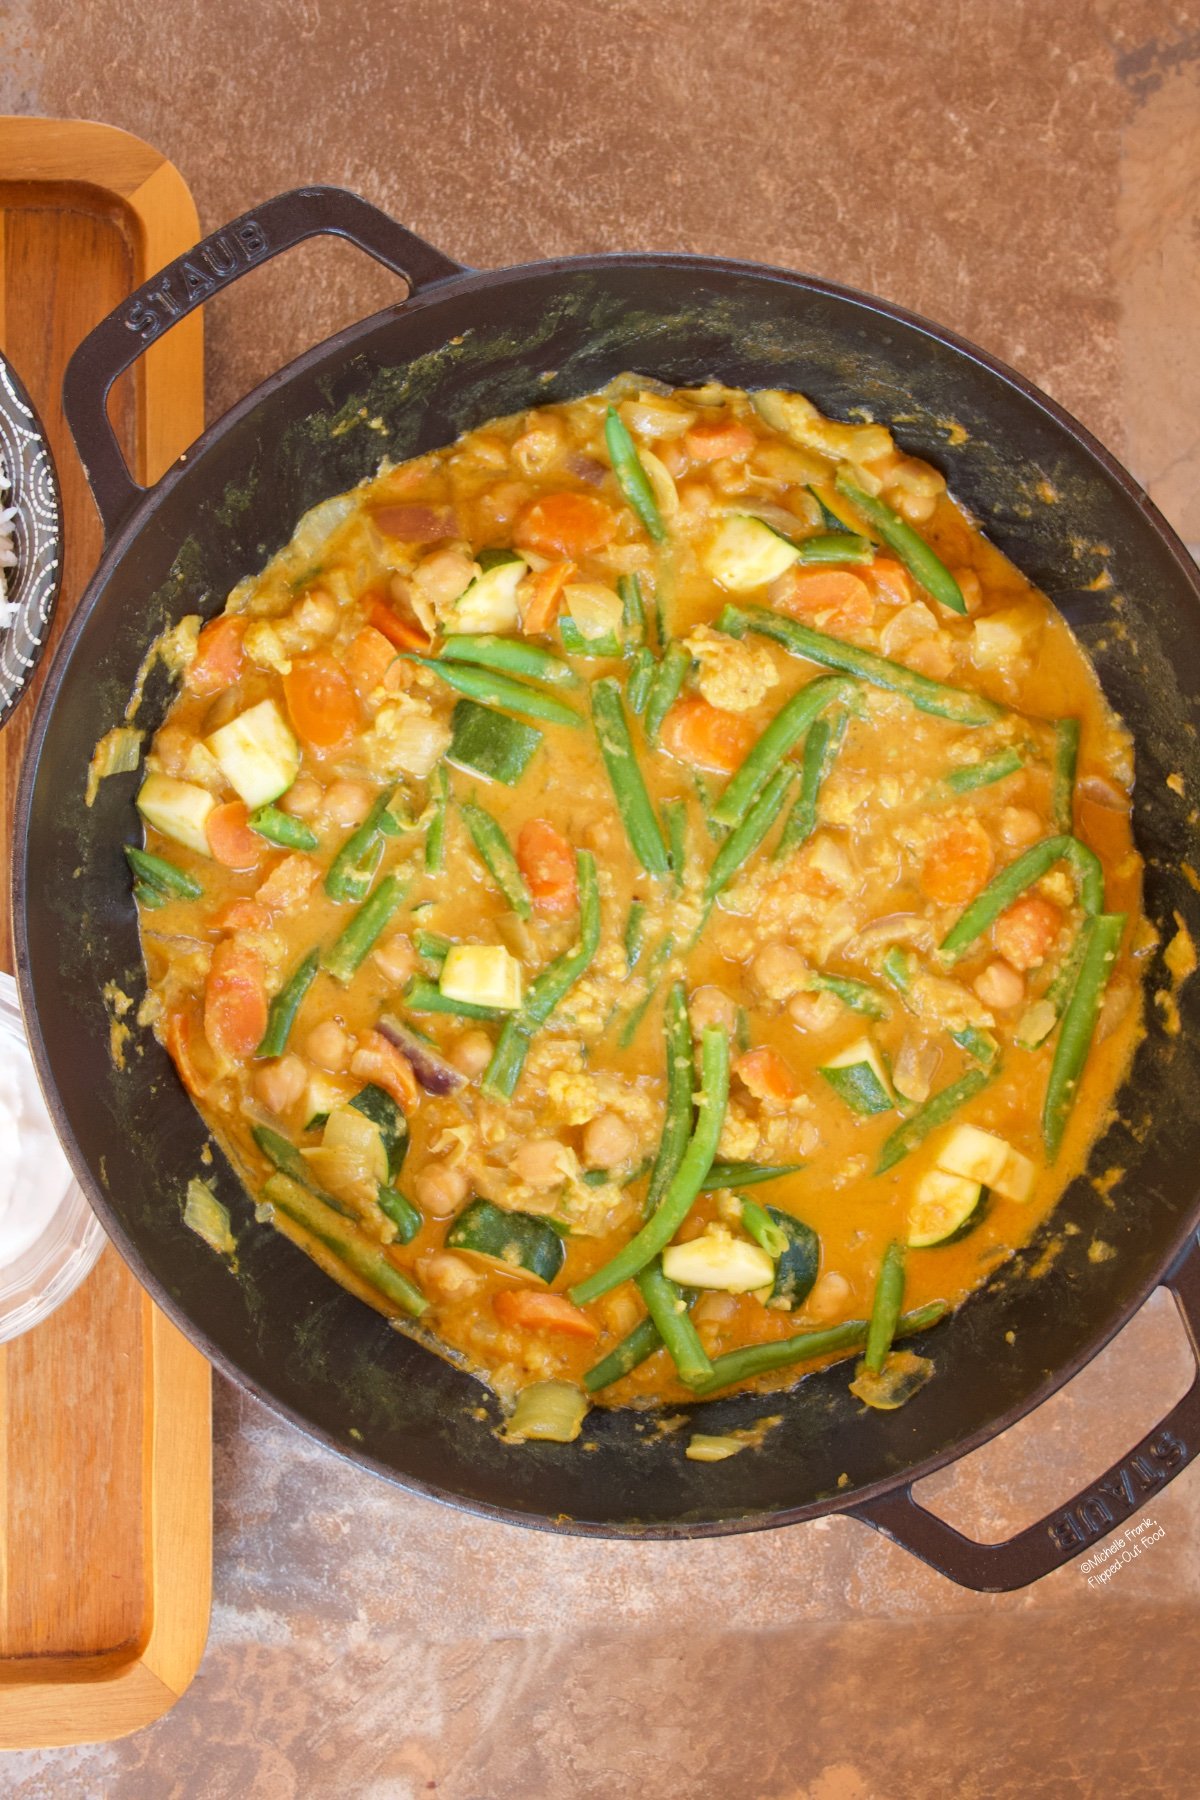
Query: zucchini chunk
point(858, 1076)
point(983, 1157)
point(490, 744)
point(389, 1122)
point(548, 1412)
point(178, 809)
point(489, 603)
point(257, 753)
point(796, 1269)
point(508, 1240)
point(743, 553)
point(728, 1264)
point(482, 975)
point(944, 1207)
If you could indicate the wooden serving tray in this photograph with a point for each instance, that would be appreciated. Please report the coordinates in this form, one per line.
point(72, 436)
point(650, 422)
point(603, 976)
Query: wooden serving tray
point(105, 1422)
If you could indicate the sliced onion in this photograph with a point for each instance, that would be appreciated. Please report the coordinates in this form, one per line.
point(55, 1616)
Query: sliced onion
point(892, 928)
point(586, 468)
point(915, 1067)
point(435, 1074)
point(663, 483)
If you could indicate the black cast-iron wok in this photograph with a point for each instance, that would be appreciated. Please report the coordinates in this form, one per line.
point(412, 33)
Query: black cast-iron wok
point(461, 347)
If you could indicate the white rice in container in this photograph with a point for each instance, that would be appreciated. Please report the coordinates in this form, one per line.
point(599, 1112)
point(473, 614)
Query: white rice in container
point(8, 553)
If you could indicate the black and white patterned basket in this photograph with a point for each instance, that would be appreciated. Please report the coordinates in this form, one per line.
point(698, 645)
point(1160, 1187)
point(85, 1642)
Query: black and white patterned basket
point(37, 538)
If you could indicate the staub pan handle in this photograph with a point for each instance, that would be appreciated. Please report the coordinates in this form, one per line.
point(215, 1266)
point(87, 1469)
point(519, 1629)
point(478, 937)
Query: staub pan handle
point(1090, 1515)
point(215, 263)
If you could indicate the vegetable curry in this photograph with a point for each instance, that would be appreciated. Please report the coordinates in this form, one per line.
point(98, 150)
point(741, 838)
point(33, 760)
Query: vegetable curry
point(645, 897)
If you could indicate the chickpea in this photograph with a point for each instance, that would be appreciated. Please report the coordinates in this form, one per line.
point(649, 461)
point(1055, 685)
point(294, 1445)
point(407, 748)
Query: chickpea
point(608, 1141)
point(347, 803)
point(1019, 825)
point(280, 1084)
point(830, 1296)
point(450, 1277)
point(541, 1162)
point(711, 1005)
point(303, 798)
point(778, 971)
point(329, 1046)
point(916, 508)
point(814, 1012)
point(999, 986)
point(715, 1309)
point(442, 576)
point(539, 445)
point(395, 958)
point(440, 1189)
point(472, 1052)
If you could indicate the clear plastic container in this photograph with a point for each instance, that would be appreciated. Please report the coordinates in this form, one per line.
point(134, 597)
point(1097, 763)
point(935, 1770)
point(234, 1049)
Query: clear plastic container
point(37, 1276)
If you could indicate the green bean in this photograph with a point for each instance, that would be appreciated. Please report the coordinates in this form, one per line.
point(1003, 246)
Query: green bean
point(704, 796)
point(641, 1343)
point(435, 838)
point(745, 1174)
point(885, 1309)
point(855, 994)
point(741, 843)
point(635, 932)
point(633, 613)
point(283, 1155)
point(681, 1193)
point(497, 856)
point(629, 789)
point(1063, 985)
point(677, 1118)
point(280, 828)
point(759, 1359)
point(669, 1311)
point(353, 868)
point(757, 1223)
point(913, 551)
point(351, 1246)
point(432, 945)
point(346, 955)
point(640, 679)
point(400, 1210)
point(958, 705)
point(978, 1044)
point(149, 897)
point(1102, 940)
point(675, 814)
point(421, 996)
point(822, 742)
point(494, 689)
point(163, 876)
point(936, 1110)
point(1008, 886)
point(654, 967)
point(1066, 757)
point(510, 656)
point(969, 776)
point(665, 688)
point(765, 756)
point(549, 990)
point(632, 478)
point(286, 1005)
point(835, 547)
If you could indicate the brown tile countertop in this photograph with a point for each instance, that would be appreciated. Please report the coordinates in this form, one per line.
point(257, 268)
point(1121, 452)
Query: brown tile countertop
point(1031, 177)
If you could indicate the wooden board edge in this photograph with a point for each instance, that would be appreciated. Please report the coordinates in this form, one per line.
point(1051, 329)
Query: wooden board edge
point(91, 1701)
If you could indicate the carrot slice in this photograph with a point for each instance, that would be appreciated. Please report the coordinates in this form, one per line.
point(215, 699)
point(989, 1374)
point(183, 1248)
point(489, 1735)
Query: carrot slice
point(219, 656)
point(242, 914)
point(547, 861)
point(230, 838)
point(289, 882)
point(958, 864)
point(1024, 934)
point(398, 631)
point(379, 1061)
point(183, 1045)
point(369, 657)
point(702, 735)
point(320, 701)
point(530, 1310)
point(891, 581)
point(833, 600)
point(235, 1000)
point(540, 596)
point(565, 525)
point(766, 1074)
point(709, 443)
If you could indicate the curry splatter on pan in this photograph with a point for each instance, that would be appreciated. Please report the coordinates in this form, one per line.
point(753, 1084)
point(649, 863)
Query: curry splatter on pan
point(463, 347)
